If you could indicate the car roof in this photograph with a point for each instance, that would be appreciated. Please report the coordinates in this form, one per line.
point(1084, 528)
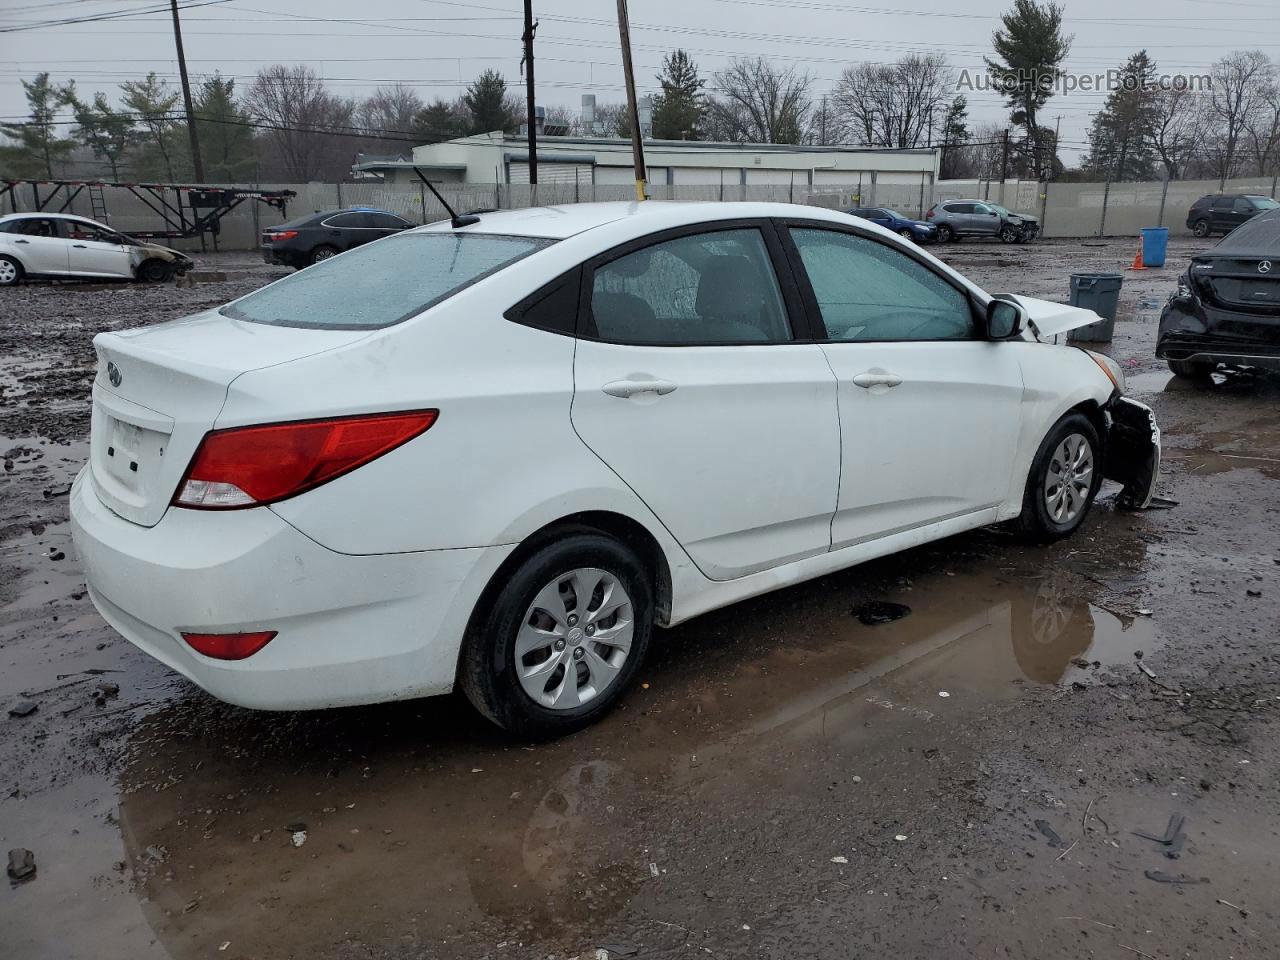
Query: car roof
point(52, 216)
point(558, 223)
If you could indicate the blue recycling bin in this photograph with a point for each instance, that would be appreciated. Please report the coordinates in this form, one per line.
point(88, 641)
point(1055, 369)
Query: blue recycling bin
point(1155, 241)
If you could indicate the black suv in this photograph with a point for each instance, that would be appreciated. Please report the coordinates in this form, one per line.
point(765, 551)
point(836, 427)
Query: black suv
point(319, 236)
point(1226, 307)
point(1223, 212)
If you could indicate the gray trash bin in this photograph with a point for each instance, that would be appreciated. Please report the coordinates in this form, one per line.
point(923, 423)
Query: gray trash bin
point(1099, 292)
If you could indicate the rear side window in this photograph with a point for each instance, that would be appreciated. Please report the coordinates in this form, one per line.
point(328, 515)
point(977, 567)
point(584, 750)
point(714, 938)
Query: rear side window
point(703, 288)
point(346, 220)
point(959, 208)
point(553, 307)
point(378, 284)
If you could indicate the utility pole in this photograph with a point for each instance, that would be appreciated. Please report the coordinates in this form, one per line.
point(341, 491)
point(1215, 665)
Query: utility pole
point(529, 28)
point(197, 163)
point(637, 146)
point(1004, 159)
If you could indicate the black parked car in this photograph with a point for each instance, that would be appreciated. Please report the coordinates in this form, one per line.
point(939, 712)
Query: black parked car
point(1223, 212)
point(318, 236)
point(1226, 307)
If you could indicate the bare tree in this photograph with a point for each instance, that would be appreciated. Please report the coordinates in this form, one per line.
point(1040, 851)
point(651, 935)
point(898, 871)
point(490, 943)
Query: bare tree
point(759, 102)
point(1262, 127)
point(894, 104)
point(309, 127)
point(1239, 80)
point(388, 116)
point(1176, 127)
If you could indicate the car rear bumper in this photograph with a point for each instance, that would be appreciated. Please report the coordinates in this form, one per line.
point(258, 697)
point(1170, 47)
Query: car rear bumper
point(1189, 330)
point(351, 629)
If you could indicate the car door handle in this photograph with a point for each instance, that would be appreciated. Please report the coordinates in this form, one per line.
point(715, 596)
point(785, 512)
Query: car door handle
point(869, 380)
point(79, 246)
point(22, 241)
point(635, 387)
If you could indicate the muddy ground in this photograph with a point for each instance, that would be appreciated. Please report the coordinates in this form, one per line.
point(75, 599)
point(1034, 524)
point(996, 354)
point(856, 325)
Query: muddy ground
point(785, 782)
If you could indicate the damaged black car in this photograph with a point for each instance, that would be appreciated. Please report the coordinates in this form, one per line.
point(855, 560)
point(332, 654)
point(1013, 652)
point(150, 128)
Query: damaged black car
point(1226, 307)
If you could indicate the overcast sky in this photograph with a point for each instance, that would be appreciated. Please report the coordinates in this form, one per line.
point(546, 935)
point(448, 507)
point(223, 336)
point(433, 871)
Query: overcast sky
point(437, 46)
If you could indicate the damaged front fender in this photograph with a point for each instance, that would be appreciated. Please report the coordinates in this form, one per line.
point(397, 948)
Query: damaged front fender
point(1132, 451)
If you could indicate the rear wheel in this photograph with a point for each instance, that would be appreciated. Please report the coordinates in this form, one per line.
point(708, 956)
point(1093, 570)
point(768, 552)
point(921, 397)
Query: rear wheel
point(10, 272)
point(946, 233)
point(1192, 369)
point(1065, 476)
point(323, 252)
point(561, 639)
point(1200, 228)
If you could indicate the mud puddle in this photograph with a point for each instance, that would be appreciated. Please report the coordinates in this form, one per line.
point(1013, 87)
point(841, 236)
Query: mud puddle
point(415, 824)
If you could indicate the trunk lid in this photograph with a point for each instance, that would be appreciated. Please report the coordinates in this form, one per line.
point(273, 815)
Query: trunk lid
point(159, 389)
point(1238, 282)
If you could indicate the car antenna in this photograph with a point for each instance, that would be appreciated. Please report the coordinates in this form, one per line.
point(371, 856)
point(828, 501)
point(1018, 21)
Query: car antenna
point(455, 221)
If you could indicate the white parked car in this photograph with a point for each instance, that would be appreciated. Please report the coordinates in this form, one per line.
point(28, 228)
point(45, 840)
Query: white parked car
point(60, 246)
point(495, 455)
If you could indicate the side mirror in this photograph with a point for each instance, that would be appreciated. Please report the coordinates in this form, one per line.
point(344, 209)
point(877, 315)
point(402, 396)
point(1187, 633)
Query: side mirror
point(1005, 320)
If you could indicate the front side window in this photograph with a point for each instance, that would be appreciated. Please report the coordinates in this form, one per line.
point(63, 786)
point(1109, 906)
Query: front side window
point(704, 288)
point(80, 230)
point(869, 291)
point(378, 284)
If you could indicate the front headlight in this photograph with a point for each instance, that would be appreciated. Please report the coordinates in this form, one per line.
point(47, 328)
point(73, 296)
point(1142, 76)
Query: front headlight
point(1113, 370)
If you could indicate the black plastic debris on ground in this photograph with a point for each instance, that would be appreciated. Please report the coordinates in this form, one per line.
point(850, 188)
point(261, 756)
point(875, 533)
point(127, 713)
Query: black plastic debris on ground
point(879, 611)
point(22, 865)
point(1159, 876)
point(1173, 837)
point(23, 708)
point(1050, 833)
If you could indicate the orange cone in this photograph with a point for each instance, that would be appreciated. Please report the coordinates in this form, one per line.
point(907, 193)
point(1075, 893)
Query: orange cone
point(1137, 258)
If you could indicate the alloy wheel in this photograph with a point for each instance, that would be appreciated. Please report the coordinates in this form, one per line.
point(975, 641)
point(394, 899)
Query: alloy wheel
point(8, 272)
point(574, 638)
point(1069, 479)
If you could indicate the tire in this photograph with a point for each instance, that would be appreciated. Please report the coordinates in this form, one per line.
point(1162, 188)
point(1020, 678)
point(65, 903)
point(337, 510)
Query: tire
point(154, 271)
point(10, 272)
point(1192, 369)
point(534, 618)
point(946, 233)
point(1047, 516)
point(1200, 228)
point(322, 252)
point(1009, 234)
point(906, 234)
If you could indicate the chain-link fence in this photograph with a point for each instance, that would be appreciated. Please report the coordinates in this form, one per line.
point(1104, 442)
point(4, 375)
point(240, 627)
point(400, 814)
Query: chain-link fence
point(1065, 209)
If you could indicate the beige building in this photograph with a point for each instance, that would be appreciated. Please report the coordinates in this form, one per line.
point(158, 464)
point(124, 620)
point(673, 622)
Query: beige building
point(504, 159)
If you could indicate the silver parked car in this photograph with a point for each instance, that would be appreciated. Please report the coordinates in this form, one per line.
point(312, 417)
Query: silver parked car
point(980, 218)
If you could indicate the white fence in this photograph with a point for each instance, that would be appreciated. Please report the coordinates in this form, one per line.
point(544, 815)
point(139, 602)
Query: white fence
point(1065, 209)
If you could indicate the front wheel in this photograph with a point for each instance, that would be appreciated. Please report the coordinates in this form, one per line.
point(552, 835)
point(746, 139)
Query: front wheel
point(1065, 476)
point(1200, 228)
point(906, 234)
point(562, 639)
point(946, 233)
point(1009, 234)
point(10, 272)
point(155, 271)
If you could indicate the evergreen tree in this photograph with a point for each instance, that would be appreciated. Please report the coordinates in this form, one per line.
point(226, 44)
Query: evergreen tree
point(955, 134)
point(489, 105)
point(677, 111)
point(440, 121)
point(108, 132)
point(226, 138)
point(154, 105)
point(38, 149)
point(1121, 137)
point(1029, 50)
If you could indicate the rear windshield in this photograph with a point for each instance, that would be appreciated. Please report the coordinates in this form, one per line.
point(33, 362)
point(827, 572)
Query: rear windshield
point(384, 282)
point(1261, 234)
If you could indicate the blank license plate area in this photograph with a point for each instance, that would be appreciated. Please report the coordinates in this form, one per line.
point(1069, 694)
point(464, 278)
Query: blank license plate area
point(133, 453)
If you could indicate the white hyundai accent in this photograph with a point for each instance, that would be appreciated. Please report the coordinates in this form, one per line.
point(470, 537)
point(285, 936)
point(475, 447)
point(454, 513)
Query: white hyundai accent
point(494, 452)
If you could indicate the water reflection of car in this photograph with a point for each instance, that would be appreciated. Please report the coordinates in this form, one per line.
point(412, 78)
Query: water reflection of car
point(916, 231)
point(1225, 308)
point(59, 246)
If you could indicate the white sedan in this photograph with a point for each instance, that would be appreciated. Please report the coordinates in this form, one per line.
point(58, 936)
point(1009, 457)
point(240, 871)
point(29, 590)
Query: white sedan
point(496, 453)
point(61, 246)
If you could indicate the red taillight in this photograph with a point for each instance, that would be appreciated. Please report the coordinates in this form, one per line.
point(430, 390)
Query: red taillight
point(282, 235)
point(929, 215)
point(229, 646)
point(250, 466)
